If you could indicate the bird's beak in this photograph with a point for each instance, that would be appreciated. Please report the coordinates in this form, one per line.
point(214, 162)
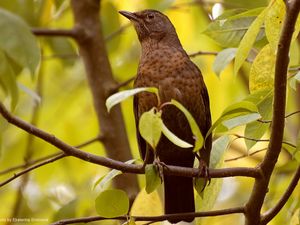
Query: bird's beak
point(129, 15)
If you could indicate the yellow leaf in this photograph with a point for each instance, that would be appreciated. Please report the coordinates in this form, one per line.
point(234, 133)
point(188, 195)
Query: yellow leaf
point(262, 70)
point(273, 23)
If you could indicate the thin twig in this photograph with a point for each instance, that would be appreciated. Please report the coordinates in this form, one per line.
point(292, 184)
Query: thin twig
point(245, 155)
point(32, 162)
point(122, 84)
point(55, 32)
point(269, 215)
point(287, 116)
point(178, 216)
point(202, 53)
point(115, 164)
point(61, 155)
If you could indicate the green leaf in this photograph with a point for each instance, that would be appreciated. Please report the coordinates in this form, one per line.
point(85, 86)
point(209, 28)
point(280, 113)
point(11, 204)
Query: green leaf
point(229, 28)
point(294, 151)
point(130, 222)
point(234, 110)
point(152, 178)
point(18, 42)
point(294, 80)
point(150, 127)
point(264, 101)
point(122, 95)
point(173, 138)
point(193, 125)
point(102, 181)
point(223, 59)
point(218, 150)
point(112, 203)
point(248, 40)
point(66, 211)
point(245, 4)
point(273, 23)
point(8, 79)
point(262, 70)
point(241, 120)
point(206, 200)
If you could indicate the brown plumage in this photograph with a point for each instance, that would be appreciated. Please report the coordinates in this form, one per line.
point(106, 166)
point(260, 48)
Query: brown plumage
point(164, 64)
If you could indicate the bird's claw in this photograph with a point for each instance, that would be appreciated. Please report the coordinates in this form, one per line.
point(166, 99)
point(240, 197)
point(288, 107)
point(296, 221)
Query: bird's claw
point(160, 167)
point(203, 171)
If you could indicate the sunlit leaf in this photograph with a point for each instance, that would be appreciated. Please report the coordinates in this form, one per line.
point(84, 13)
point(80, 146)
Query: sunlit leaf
point(232, 111)
point(66, 211)
point(8, 79)
point(248, 40)
point(262, 70)
point(246, 4)
point(193, 125)
point(295, 218)
point(159, 4)
point(223, 59)
point(229, 28)
point(152, 178)
point(294, 80)
point(255, 130)
point(150, 127)
point(102, 181)
point(273, 23)
point(206, 200)
point(173, 138)
point(115, 99)
point(18, 42)
point(293, 150)
point(112, 203)
point(241, 120)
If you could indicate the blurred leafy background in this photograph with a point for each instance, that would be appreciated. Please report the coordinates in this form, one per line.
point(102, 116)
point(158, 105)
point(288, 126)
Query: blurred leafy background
point(64, 189)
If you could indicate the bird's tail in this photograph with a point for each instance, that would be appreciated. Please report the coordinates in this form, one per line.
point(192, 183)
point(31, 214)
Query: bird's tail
point(179, 196)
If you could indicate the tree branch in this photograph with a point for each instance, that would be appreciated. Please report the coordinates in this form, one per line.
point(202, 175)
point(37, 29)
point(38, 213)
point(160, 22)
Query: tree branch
point(60, 156)
point(92, 49)
point(269, 215)
point(115, 164)
point(260, 187)
point(178, 216)
point(72, 33)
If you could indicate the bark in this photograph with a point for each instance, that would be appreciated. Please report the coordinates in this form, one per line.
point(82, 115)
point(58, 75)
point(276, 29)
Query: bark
point(99, 74)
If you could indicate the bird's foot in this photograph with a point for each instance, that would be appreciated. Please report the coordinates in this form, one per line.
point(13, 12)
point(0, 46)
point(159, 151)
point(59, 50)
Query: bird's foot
point(160, 167)
point(203, 171)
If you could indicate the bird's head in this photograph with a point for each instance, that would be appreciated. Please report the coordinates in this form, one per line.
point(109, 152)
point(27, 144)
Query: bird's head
point(152, 24)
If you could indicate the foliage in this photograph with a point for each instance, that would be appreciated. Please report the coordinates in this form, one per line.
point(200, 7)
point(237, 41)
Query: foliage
point(42, 80)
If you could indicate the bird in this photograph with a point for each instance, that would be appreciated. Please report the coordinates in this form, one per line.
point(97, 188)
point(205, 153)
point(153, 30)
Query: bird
point(164, 64)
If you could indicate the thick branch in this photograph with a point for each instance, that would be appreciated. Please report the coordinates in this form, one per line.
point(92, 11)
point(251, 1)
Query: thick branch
point(100, 78)
point(179, 216)
point(115, 164)
point(260, 188)
point(268, 216)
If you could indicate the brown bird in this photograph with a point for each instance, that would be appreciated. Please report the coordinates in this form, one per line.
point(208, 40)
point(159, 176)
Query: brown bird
point(164, 64)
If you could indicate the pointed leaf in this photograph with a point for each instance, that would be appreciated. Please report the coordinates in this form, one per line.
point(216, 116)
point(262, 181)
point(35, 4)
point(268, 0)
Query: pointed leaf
point(294, 80)
point(150, 127)
point(102, 181)
point(241, 120)
point(263, 99)
point(229, 28)
point(174, 139)
point(223, 59)
point(152, 178)
point(193, 125)
point(232, 111)
point(273, 23)
point(122, 95)
point(18, 42)
point(262, 70)
point(248, 40)
point(8, 79)
point(112, 203)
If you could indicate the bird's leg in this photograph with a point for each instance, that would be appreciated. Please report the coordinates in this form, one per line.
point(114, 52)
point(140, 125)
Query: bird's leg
point(159, 166)
point(203, 171)
point(147, 156)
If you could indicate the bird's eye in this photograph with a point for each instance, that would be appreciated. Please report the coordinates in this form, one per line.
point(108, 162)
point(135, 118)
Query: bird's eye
point(150, 16)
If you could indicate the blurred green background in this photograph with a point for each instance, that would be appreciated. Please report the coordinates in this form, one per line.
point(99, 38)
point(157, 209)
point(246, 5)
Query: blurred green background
point(64, 189)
